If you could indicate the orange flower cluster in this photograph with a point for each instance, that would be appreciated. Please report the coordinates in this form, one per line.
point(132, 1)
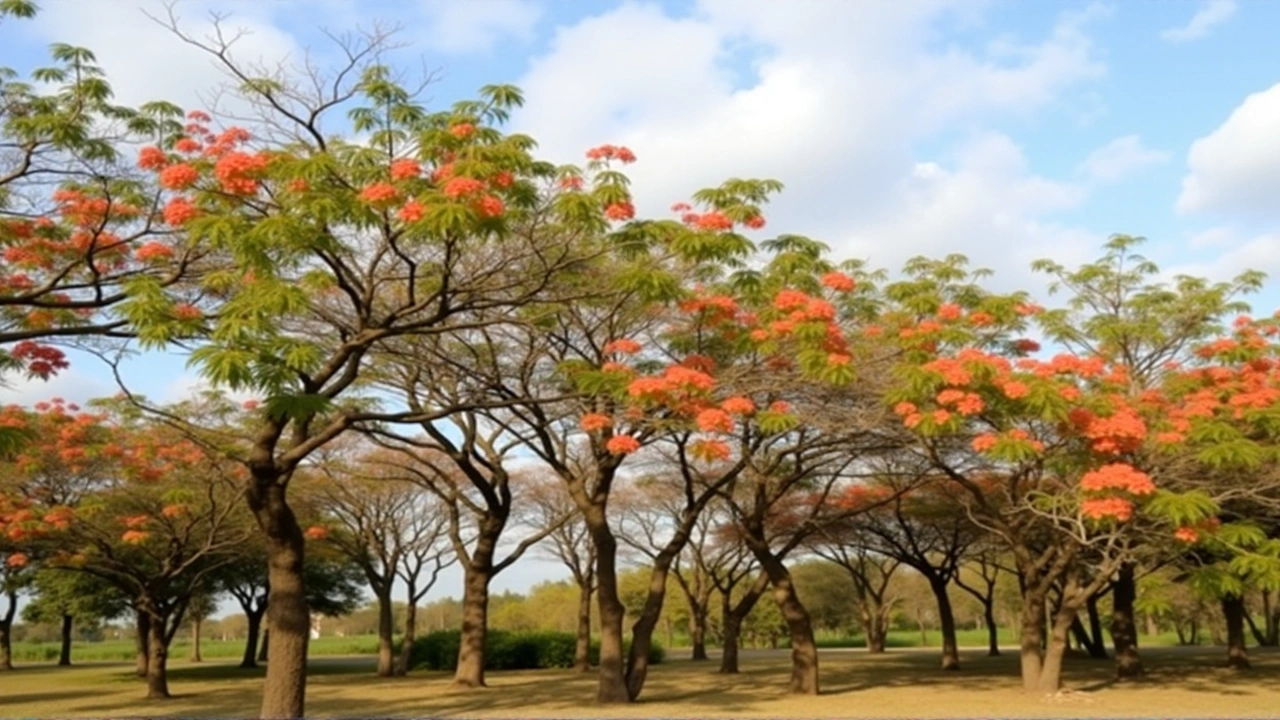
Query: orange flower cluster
point(611, 152)
point(1118, 476)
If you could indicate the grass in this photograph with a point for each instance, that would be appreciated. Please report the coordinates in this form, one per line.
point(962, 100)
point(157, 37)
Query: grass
point(1184, 682)
point(124, 650)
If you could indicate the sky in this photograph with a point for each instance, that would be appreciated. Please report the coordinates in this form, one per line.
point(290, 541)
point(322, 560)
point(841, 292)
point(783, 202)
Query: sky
point(1004, 130)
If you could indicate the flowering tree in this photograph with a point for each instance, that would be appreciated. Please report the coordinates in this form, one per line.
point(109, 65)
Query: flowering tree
point(1115, 310)
point(334, 246)
point(388, 526)
point(77, 224)
point(131, 505)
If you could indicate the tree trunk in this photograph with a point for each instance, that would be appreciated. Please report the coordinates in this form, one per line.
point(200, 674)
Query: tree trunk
point(410, 634)
point(1050, 680)
point(613, 682)
point(64, 654)
point(264, 645)
point(288, 616)
point(475, 620)
point(1124, 631)
point(1153, 629)
point(1097, 643)
point(947, 619)
point(143, 634)
point(642, 631)
point(993, 630)
point(254, 618)
point(386, 633)
point(196, 623)
point(875, 630)
point(582, 648)
point(804, 649)
point(6, 630)
point(698, 632)
point(157, 659)
point(1237, 653)
point(733, 616)
point(1271, 620)
point(1031, 649)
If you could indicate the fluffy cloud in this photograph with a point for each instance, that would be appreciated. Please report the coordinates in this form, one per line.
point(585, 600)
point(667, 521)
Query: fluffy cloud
point(833, 99)
point(1236, 168)
point(1121, 157)
point(1210, 14)
point(467, 27)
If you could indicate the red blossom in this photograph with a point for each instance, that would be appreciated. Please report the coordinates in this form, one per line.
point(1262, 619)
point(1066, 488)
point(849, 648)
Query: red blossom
point(622, 345)
point(591, 422)
point(461, 186)
point(379, 193)
point(412, 211)
point(622, 445)
point(462, 131)
point(179, 177)
point(178, 212)
point(152, 158)
point(620, 211)
point(405, 169)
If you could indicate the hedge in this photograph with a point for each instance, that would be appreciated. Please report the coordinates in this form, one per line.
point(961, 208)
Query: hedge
point(505, 650)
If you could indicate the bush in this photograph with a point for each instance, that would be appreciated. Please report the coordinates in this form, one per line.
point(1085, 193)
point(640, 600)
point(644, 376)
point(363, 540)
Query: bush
point(506, 650)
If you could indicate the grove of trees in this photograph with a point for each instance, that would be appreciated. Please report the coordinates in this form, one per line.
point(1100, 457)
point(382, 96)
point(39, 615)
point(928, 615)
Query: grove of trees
point(456, 352)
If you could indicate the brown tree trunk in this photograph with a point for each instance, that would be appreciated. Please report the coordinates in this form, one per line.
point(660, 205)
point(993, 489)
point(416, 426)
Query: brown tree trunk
point(254, 618)
point(876, 632)
point(947, 619)
point(1124, 631)
point(804, 649)
point(642, 631)
point(1050, 680)
point(1237, 652)
point(733, 616)
point(64, 653)
point(1031, 648)
point(1097, 643)
point(157, 659)
point(143, 635)
point(475, 622)
point(288, 616)
point(410, 634)
point(582, 648)
point(386, 634)
point(195, 640)
point(1153, 629)
point(613, 682)
point(698, 632)
point(264, 645)
point(6, 630)
point(993, 630)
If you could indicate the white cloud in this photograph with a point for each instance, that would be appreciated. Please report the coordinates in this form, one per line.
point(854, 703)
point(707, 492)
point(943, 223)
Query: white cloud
point(1236, 168)
point(1121, 157)
point(145, 61)
point(1239, 254)
point(467, 26)
point(839, 96)
point(1210, 14)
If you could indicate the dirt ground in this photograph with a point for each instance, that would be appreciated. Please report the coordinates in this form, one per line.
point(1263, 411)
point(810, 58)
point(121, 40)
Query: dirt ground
point(1183, 683)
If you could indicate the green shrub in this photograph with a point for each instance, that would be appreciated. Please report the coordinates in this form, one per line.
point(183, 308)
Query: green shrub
point(506, 650)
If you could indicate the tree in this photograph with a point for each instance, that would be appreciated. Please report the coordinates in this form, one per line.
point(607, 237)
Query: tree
point(387, 526)
point(63, 598)
point(334, 586)
point(77, 226)
point(199, 608)
point(571, 545)
point(132, 505)
point(329, 248)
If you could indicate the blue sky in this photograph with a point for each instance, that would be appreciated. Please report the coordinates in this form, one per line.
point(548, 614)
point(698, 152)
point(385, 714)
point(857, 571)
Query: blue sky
point(1006, 130)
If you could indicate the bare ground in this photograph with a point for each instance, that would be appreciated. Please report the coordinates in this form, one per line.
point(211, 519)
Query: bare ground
point(1183, 683)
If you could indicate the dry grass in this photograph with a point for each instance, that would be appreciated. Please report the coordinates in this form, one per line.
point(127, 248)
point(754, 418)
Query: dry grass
point(905, 683)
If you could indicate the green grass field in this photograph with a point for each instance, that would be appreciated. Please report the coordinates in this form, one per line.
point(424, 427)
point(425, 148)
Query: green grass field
point(1183, 682)
point(123, 650)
